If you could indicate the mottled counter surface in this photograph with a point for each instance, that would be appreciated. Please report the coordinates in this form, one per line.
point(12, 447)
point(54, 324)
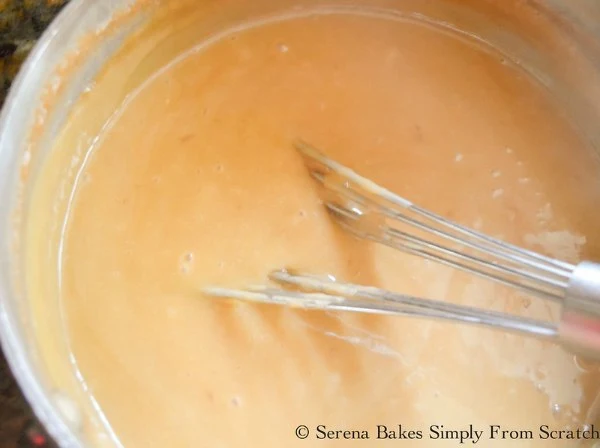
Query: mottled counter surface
point(21, 24)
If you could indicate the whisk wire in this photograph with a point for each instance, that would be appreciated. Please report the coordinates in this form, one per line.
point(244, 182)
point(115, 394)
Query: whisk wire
point(451, 257)
point(370, 208)
point(371, 212)
point(312, 292)
point(429, 307)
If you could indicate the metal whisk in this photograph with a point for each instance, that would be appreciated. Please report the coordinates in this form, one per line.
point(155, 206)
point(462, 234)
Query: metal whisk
point(371, 212)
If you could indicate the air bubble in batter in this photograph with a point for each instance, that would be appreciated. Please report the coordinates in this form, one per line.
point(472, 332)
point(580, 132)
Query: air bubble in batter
point(186, 263)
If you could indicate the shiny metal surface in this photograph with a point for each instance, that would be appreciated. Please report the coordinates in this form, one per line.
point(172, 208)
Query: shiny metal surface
point(579, 327)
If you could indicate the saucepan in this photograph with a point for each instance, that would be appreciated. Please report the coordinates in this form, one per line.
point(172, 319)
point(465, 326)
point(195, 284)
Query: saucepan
point(555, 41)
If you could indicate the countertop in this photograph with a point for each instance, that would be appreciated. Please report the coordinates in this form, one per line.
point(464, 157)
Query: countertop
point(21, 24)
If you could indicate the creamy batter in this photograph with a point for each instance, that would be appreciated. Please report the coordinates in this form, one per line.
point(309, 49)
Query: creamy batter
point(195, 182)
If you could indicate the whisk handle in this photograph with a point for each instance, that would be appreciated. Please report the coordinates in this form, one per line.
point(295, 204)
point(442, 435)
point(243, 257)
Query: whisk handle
point(579, 326)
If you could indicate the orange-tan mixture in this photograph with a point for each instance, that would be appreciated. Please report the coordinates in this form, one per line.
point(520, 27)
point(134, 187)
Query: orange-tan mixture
point(195, 182)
